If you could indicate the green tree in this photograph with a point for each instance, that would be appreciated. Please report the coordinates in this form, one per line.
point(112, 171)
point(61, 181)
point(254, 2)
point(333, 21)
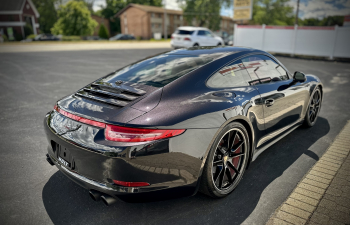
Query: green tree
point(310, 22)
point(114, 6)
point(74, 19)
point(205, 12)
point(332, 21)
point(103, 32)
point(272, 12)
point(48, 14)
point(327, 21)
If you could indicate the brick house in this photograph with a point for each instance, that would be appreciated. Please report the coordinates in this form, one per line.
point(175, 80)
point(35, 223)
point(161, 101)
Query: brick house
point(18, 17)
point(227, 24)
point(143, 20)
point(100, 20)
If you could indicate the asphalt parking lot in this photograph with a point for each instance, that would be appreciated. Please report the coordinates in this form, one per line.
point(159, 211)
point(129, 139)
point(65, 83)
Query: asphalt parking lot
point(33, 192)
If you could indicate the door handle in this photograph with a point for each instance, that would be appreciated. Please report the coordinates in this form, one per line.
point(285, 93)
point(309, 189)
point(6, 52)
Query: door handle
point(269, 102)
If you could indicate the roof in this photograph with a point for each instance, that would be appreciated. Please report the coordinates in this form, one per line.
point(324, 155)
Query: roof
point(16, 7)
point(11, 5)
point(226, 18)
point(149, 8)
point(192, 28)
point(156, 9)
point(212, 50)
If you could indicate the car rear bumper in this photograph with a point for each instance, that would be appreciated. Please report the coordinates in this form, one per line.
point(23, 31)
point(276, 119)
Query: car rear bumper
point(130, 194)
point(176, 44)
point(160, 164)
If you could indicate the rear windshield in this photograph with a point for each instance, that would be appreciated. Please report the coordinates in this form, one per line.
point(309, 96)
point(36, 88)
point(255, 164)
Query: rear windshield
point(160, 70)
point(184, 32)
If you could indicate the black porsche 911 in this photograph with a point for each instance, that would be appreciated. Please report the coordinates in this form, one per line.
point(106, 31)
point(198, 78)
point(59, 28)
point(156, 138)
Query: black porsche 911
point(180, 122)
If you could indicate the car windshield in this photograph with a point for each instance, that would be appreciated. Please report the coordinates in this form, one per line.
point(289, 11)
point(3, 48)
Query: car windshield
point(118, 36)
point(184, 32)
point(160, 70)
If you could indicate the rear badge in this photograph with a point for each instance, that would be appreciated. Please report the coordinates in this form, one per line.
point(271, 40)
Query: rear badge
point(118, 82)
point(63, 162)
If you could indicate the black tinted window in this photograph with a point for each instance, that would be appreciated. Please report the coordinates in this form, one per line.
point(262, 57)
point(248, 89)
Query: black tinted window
point(201, 32)
point(160, 70)
point(233, 75)
point(184, 32)
point(263, 69)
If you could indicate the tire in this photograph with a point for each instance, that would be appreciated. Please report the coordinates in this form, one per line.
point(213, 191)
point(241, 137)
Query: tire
point(313, 109)
point(215, 181)
point(196, 45)
point(219, 45)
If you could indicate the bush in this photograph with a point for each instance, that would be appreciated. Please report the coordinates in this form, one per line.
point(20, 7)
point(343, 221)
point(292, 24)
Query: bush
point(28, 30)
point(18, 37)
point(103, 32)
point(138, 38)
point(5, 37)
point(31, 36)
point(71, 38)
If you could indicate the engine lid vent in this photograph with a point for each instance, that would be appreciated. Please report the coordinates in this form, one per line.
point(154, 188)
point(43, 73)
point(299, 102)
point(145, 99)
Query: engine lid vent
point(111, 93)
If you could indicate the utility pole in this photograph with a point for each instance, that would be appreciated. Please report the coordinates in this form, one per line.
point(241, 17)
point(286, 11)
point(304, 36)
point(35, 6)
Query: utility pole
point(297, 15)
point(165, 24)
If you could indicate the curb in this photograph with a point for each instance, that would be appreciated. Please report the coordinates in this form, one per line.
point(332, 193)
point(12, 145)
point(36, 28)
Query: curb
point(323, 195)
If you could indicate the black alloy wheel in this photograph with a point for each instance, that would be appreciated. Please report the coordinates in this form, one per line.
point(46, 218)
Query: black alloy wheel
point(226, 162)
point(314, 108)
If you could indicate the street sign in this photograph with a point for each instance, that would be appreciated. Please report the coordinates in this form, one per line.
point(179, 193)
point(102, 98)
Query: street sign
point(242, 10)
point(241, 3)
point(242, 14)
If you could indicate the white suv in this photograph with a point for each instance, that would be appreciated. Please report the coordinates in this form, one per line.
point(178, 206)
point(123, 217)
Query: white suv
point(185, 37)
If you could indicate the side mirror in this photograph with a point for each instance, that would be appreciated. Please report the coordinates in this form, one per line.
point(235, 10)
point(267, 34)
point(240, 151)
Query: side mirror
point(299, 77)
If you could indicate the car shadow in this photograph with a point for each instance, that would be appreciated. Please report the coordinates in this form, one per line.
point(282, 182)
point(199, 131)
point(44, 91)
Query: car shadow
point(68, 203)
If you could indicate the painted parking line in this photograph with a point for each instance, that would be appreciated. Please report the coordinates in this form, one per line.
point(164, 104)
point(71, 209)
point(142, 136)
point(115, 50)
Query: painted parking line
point(323, 195)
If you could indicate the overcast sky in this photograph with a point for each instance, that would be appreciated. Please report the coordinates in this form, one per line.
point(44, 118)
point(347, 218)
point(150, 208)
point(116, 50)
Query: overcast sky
point(307, 9)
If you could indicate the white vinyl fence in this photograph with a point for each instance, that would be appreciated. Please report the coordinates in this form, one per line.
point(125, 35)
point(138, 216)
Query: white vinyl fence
point(314, 41)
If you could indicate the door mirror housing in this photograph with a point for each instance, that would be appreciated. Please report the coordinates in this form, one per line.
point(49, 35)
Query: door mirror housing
point(299, 77)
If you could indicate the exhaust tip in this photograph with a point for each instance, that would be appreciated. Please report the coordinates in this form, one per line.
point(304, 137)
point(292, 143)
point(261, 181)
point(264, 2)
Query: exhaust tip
point(108, 200)
point(95, 195)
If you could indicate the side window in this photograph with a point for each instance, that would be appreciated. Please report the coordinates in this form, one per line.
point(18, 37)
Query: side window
point(208, 34)
point(282, 72)
point(233, 75)
point(263, 69)
point(201, 33)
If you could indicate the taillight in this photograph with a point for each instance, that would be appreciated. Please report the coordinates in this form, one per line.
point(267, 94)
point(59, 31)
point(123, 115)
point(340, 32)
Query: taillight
point(172, 37)
point(127, 134)
point(187, 39)
point(80, 119)
point(131, 184)
point(124, 134)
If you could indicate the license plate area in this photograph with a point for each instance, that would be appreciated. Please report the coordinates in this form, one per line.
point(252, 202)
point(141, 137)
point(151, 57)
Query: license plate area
point(64, 156)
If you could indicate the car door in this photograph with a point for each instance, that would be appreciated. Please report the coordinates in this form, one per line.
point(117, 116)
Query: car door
point(211, 39)
point(283, 100)
point(202, 38)
point(231, 79)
